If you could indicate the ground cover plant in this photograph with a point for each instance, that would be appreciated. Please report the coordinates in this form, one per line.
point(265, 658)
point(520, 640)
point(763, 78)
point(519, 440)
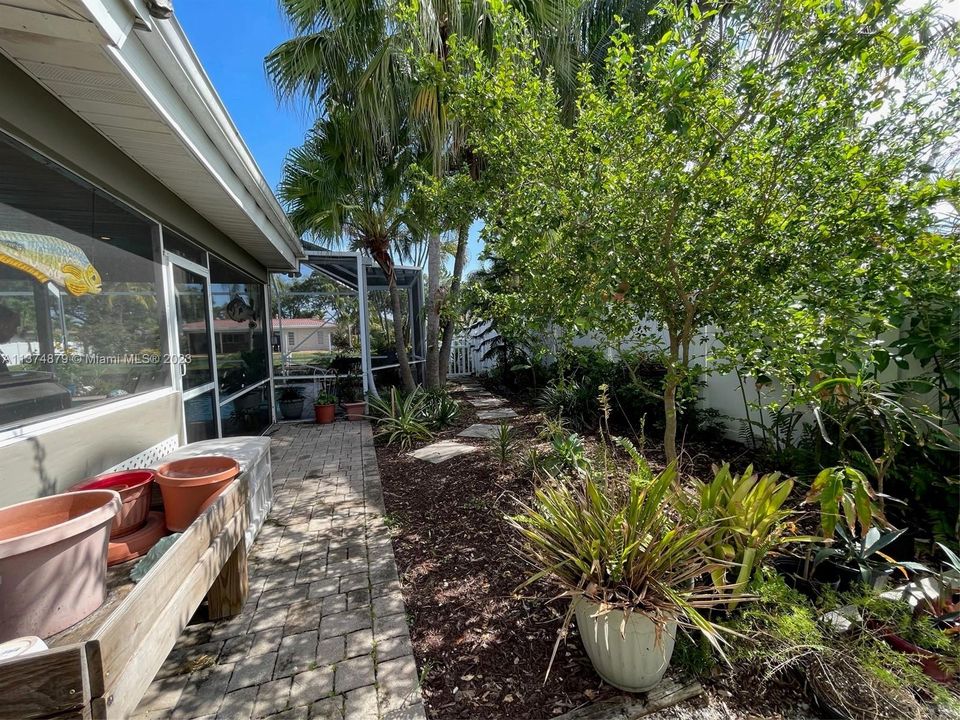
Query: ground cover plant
point(483, 641)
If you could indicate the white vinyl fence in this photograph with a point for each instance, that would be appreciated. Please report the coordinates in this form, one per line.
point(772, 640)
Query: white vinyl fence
point(462, 358)
point(466, 353)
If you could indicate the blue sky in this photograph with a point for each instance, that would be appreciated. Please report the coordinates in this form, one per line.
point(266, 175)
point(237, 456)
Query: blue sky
point(232, 38)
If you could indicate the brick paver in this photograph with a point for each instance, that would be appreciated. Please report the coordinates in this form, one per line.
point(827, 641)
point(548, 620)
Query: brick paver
point(323, 633)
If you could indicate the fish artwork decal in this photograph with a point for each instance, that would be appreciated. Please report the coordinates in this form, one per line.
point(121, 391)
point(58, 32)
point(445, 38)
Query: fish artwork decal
point(50, 259)
point(239, 310)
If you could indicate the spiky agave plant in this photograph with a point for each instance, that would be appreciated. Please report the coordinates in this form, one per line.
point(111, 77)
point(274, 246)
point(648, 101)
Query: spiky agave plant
point(619, 540)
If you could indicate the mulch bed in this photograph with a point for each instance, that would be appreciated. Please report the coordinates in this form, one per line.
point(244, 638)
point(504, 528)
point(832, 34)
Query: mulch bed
point(482, 651)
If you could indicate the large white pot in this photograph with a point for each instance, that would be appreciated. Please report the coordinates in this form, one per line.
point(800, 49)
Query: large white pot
point(634, 661)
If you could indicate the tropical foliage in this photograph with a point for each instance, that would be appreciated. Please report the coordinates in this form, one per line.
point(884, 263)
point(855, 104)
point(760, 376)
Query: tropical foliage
point(765, 169)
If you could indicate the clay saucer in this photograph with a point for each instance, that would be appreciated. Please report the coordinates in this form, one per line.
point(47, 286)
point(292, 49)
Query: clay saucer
point(133, 545)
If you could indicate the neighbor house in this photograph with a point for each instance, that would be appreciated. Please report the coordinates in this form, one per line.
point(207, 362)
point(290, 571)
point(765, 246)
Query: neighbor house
point(288, 335)
point(131, 215)
point(303, 335)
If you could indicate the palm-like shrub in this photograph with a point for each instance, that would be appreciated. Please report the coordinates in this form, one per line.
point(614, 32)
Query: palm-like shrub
point(620, 541)
point(570, 400)
point(439, 409)
point(400, 418)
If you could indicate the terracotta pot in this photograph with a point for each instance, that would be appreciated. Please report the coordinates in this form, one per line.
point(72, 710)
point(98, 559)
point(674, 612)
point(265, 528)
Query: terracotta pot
point(323, 414)
point(53, 561)
point(186, 484)
point(634, 661)
point(134, 487)
point(931, 663)
point(355, 410)
point(137, 543)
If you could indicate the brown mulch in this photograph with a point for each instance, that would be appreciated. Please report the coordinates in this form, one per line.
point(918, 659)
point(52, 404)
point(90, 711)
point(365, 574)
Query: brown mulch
point(482, 651)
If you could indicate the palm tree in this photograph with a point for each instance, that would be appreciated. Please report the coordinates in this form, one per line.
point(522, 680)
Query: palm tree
point(361, 56)
point(335, 191)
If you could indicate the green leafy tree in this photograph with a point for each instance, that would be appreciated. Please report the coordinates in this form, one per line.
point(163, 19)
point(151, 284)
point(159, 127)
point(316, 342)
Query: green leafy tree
point(766, 176)
point(387, 64)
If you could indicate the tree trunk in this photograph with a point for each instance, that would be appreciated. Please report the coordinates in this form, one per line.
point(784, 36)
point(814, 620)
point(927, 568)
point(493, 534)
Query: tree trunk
point(463, 234)
point(406, 377)
point(670, 400)
point(432, 370)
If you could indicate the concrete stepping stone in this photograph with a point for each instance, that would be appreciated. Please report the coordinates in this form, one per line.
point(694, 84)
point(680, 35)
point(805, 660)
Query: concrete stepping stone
point(496, 414)
point(479, 430)
point(442, 451)
point(485, 402)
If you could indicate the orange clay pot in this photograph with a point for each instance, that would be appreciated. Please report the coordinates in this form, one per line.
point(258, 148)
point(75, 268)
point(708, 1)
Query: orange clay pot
point(323, 414)
point(53, 561)
point(135, 487)
point(188, 483)
point(137, 543)
point(355, 410)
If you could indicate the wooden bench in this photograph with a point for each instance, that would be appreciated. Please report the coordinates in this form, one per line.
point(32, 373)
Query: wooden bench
point(101, 667)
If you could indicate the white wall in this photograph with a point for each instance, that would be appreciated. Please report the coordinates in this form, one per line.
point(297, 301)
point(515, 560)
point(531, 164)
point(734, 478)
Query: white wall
point(722, 391)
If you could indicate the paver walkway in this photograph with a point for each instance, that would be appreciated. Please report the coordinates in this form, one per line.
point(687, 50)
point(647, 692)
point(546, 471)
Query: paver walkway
point(323, 633)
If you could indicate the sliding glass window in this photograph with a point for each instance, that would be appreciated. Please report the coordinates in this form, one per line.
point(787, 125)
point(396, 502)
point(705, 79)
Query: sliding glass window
point(240, 336)
point(81, 301)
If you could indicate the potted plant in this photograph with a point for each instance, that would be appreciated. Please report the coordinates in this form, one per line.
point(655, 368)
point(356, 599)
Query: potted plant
point(351, 397)
point(324, 407)
point(291, 402)
point(615, 543)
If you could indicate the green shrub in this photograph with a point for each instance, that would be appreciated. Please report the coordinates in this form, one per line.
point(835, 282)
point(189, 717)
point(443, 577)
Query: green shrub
point(401, 418)
point(438, 408)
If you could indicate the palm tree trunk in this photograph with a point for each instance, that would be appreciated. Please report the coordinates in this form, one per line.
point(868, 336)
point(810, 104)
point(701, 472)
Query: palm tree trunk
point(463, 234)
point(406, 376)
point(432, 370)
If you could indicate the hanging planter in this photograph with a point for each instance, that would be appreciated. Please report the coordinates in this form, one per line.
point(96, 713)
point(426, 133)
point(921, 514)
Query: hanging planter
point(188, 483)
point(53, 561)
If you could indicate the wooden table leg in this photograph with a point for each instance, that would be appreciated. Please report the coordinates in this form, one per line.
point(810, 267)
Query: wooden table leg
point(229, 590)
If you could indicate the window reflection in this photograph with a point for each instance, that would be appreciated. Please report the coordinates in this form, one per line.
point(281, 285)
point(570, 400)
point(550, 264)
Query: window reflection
point(239, 329)
point(81, 311)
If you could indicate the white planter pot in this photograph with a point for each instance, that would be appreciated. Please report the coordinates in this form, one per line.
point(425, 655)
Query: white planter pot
point(634, 661)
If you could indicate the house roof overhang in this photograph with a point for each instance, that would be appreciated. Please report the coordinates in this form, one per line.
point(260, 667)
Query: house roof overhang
point(136, 80)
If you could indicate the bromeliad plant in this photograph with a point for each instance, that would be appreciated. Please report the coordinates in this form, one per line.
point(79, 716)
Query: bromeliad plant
point(749, 519)
point(620, 541)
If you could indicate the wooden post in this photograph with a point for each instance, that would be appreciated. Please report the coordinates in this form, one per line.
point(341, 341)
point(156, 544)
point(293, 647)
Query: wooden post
point(45, 685)
point(229, 590)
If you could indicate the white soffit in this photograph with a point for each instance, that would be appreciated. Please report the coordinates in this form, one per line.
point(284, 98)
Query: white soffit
point(137, 80)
